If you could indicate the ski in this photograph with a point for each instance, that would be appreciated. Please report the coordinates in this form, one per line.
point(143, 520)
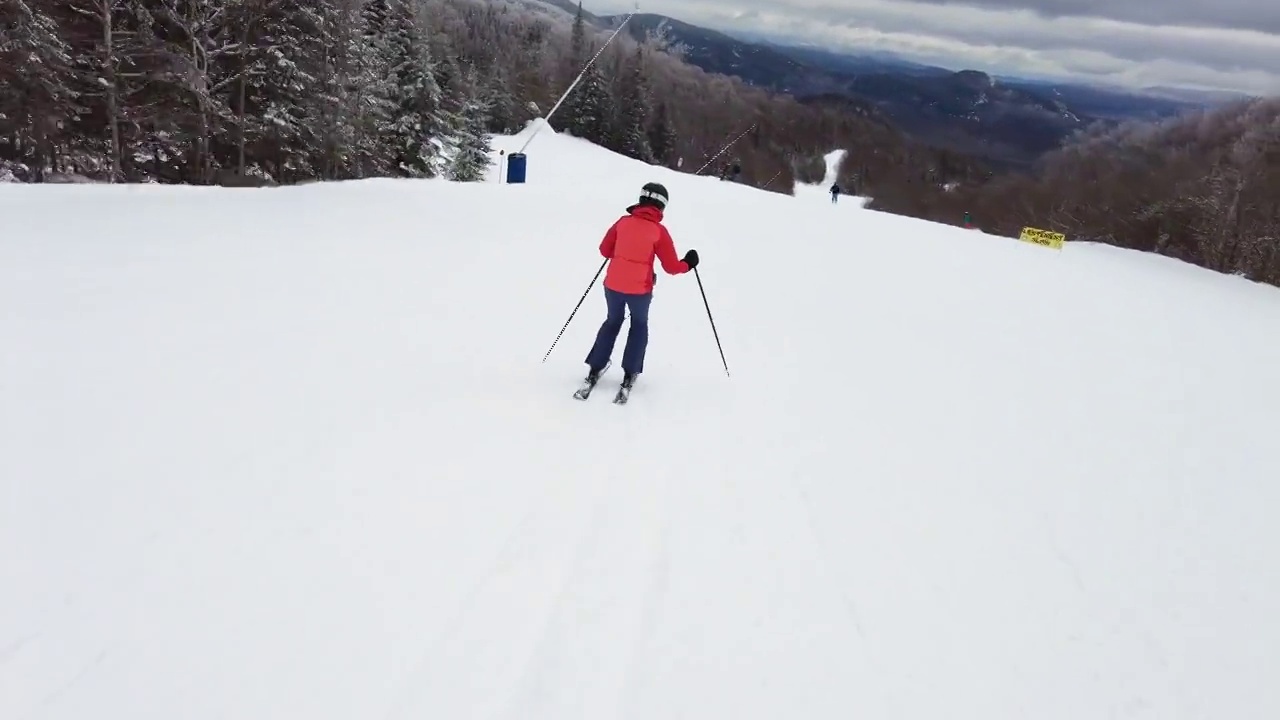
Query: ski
point(584, 391)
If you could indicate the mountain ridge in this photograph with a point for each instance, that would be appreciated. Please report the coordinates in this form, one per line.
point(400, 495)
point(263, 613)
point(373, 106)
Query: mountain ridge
point(1008, 121)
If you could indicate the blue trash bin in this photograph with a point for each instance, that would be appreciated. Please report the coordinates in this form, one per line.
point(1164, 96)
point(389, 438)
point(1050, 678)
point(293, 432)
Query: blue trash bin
point(515, 168)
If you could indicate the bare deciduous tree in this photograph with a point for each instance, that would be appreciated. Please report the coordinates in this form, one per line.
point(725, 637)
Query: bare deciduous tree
point(1204, 188)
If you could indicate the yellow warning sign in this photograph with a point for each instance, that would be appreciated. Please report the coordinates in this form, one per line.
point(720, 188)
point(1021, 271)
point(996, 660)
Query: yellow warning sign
point(1036, 236)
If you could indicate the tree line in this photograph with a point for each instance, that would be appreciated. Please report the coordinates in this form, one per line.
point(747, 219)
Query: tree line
point(287, 91)
point(202, 91)
point(1203, 188)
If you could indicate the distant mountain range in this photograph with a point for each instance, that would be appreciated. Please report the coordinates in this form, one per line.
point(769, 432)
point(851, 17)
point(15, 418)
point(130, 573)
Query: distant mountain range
point(1008, 121)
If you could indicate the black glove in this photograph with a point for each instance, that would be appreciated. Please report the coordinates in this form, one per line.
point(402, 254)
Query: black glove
point(691, 257)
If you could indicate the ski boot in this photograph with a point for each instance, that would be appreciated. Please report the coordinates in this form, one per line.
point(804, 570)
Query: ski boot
point(624, 392)
point(589, 383)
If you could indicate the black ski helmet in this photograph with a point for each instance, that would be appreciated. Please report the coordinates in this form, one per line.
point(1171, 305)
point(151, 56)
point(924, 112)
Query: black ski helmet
point(654, 194)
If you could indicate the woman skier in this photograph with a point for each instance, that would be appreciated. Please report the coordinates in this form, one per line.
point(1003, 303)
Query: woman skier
point(631, 245)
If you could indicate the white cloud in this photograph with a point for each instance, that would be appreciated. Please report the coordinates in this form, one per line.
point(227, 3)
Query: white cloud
point(1238, 14)
point(1015, 41)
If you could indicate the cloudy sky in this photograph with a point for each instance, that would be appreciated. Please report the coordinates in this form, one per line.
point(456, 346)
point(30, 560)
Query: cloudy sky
point(1217, 44)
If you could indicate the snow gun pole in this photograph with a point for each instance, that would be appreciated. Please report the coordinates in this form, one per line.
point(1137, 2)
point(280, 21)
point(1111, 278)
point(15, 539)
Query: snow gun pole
point(723, 149)
point(713, 321)
point(577, 80)
point(575, 309)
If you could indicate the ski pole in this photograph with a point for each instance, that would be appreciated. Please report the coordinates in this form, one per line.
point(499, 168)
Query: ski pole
point(575, 309)
point(713, 321)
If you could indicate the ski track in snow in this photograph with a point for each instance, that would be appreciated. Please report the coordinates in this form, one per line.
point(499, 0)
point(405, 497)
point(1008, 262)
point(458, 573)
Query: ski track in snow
point(304, 461)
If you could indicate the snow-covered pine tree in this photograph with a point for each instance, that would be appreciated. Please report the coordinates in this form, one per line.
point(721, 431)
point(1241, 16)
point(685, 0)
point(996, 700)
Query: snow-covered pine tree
point(330, 109)
point(287, 58)
point(255, 69)
point(369, 93)
point(418, 131)
point(577, 56)
point(375, 14)
point(471, 137)
point(471, 158)
point(36, 99)
point(662, 136)
point(588, 109)
point(629, 127)
point(502, 100)
point(580, 114)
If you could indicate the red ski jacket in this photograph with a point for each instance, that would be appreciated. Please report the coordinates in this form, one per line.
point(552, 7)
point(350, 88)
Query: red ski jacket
point(631, 245)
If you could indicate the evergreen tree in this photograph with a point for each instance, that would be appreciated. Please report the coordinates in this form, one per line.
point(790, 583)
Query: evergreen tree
point(418, 132)
point(289, 66)
point(577, 48)
point(503, 103)
point(471, 155)
point(331, 70)
point(629, 129)
point(373, 94)
point(584, 112)
point(190, 55)
point(375, 17)
point(36, 100)
point(587, 111)
point(662, 136)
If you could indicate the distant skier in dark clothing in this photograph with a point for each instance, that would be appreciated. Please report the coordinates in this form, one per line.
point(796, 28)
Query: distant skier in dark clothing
point(835, 193)
point(632, 244)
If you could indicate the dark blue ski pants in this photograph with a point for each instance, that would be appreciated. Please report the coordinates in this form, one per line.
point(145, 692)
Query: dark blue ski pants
point(637, 336)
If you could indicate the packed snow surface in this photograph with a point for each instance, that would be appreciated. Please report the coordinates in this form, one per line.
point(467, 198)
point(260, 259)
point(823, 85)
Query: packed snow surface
point(293, 453)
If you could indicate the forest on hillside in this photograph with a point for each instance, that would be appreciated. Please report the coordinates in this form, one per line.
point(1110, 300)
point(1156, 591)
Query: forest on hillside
point(252, 92)
point(1203, 188)
point(286, 91)
point(189, 91)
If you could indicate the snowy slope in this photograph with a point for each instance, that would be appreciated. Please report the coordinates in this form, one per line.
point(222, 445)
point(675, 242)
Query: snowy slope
point(293, 453)
point(822, 189)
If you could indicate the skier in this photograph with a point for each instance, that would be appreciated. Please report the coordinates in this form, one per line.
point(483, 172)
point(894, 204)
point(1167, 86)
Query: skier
point(835, 193)
point(631, 244)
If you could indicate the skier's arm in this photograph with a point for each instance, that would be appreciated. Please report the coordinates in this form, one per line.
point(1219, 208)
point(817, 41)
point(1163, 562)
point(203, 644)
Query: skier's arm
point(666, 250)
point(610, 240)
